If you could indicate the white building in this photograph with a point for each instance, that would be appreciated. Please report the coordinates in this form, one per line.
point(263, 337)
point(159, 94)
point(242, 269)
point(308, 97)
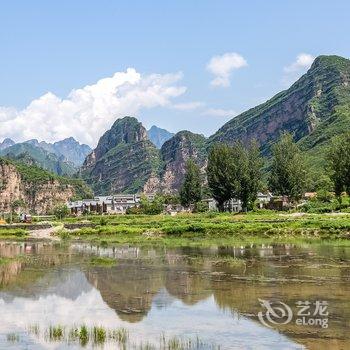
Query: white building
point(115, 204)
point(235, 205)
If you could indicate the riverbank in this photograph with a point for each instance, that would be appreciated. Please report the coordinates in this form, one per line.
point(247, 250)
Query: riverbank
point(198, 229)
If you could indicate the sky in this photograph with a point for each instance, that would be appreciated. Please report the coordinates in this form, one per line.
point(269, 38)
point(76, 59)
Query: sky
point(71, 68)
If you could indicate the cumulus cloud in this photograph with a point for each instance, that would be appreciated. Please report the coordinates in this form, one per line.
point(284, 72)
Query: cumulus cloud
point(218, 112)
point(293, 71)
point(302, 61)
point(222, 67)
point(89, 111)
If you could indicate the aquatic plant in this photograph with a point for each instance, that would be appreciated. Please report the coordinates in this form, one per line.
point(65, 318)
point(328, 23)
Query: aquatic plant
point(56, 333)
point(102, 261)
point(98, 335)
point(12, 337)
point(121, 335)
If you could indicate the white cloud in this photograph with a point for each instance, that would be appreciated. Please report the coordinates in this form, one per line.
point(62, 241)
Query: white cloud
point(187, 106)
point(302, 61)
point(88, 112)
point(293, 71)
point(218, 112)
point(222, 67)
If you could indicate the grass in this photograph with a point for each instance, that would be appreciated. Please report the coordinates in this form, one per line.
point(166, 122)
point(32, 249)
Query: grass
point(215, 228)
point(102, 261)
point(97, 336)
point(56, 333)
point(12, 338)
point(4, 261)
point(206, 229)
point(12, 233)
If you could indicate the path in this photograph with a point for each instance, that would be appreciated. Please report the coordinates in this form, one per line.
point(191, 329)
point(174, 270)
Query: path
point(46, 233)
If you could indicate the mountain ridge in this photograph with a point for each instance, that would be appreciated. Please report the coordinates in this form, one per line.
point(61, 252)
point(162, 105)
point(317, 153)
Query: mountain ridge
point(298, 109)
point(314, 109)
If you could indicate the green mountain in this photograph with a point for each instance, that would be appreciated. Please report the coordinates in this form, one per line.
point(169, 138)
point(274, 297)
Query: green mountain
point(6, 143)
point(33, 155)
point(70, 149)
point(314, 109)
point(125, 160)
point(175, 153)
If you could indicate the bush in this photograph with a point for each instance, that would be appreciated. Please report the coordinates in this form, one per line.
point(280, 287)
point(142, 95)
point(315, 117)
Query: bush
point(152, 207)
point(103, 221)
point(61, 211)
point(324, 196)
point(134, 211)
point(200, 207)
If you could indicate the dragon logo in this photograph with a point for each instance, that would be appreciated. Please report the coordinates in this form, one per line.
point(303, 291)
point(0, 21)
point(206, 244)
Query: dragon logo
point(276, 313)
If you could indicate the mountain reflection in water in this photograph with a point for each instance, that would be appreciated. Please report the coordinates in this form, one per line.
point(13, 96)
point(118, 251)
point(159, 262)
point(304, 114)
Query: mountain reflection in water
point(211, 293)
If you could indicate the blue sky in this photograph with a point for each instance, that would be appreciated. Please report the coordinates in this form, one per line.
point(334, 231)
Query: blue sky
point(60, 46)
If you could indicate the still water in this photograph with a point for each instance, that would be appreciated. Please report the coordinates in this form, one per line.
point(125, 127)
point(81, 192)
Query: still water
point(52, 297)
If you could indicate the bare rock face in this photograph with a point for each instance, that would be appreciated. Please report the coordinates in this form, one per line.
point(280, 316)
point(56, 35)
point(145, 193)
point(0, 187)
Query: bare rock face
point(125, 160)
point(152, 185)
point(175, 153)
point(38, 197)
point(306, 106)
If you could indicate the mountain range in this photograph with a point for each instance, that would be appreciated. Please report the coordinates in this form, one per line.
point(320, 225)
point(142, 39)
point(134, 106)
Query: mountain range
point(128, 158)
point(313, 109)
point(61, 158)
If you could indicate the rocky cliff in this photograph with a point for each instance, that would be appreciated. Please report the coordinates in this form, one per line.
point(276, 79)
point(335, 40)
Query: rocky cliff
point(175, 153)
point(313, 109)
point(308, 105)
point(35, 190)
point(123, 161)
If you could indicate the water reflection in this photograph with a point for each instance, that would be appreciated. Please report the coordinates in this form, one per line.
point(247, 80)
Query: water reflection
point(212, 293)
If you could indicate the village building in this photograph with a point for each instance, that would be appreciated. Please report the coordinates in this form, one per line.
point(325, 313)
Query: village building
point(115, 204)
point(235, 205)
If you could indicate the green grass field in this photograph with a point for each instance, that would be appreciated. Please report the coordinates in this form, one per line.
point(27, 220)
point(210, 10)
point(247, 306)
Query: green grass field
point(215, 228)
point(206, 228)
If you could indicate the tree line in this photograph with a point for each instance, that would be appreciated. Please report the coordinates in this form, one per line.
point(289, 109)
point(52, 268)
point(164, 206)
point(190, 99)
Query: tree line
point(237, 171)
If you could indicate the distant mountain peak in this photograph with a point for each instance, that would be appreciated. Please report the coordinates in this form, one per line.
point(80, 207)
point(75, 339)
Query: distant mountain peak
point(329, 60)
point(6, 143)
point(159, 136)
point(68, 150)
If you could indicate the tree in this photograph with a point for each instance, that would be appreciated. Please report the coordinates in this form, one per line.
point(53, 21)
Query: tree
point(339, 162)
point(235, 172)
point(248, 173)
point(153, 207)
point(220, 173)
point(191, 189)
point(288, 176)
point(16, 204)
point(61, 211)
